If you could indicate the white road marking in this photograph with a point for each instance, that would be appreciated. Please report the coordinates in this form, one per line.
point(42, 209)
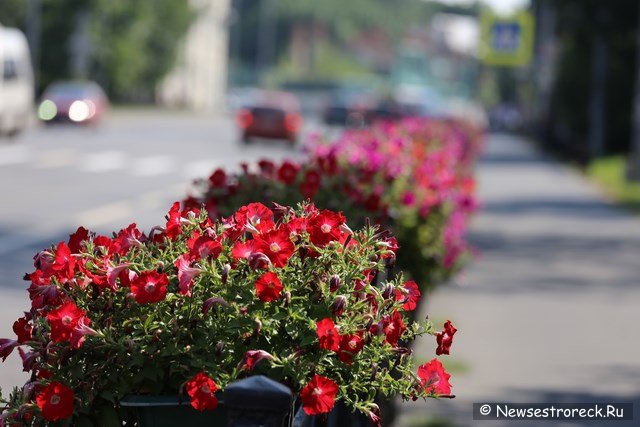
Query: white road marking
point(14, 154)
point(201, 168)
point(105, 214)
point(153, 165)
point(103, 161)
point(55, 158)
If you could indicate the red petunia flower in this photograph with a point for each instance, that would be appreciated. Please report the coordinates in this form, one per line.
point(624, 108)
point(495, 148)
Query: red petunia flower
point(410, 297)
point(325, 227)
point(150, 286)
point(64, 263)
point(393, 328)
point(276, 245)
point(328, 336)
point(218, 178)
point(445, 338)
point(174, 226)
point(63, 321)
point(203, 247)
point(434, 378)
point(127, 237)
point(6, 347)
point(268, 287)
point(287, 172)
point(201, 389)
point(23, 329)
point(253, 357)
point(319, 395)
point(243, 250)
point(55, 401)
point(255, 217)
point(186, 274)
point(76, 239)
point(350, 345)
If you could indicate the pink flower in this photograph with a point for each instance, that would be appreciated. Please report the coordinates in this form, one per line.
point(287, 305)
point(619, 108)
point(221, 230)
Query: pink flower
point(186, 274)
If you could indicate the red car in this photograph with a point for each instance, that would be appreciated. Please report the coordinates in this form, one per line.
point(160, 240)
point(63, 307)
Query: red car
point(274, 115)
point(82, 102)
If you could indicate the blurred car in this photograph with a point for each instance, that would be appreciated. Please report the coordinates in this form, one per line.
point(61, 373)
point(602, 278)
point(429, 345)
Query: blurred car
point(82, 102)
point(347, 108)
point(274, 115)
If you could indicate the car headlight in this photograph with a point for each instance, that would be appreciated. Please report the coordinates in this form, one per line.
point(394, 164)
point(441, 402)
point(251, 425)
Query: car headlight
point(79, 111)
point(47, 110)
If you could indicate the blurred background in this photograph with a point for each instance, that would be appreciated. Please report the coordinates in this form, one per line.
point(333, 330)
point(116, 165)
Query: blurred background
point(110, 108)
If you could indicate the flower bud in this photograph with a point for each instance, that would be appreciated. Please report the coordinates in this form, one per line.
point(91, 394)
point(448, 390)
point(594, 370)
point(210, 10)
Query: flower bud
point(208, 304)
point(258, 260)
point(388, 291)
point(219, 348)
point(225, 273)
point(159, 264)
point(339, 304)
point(287, 298)
point(334, 283)
point(258, 326)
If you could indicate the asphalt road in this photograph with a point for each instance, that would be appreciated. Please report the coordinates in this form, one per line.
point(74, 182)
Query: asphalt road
point(53, 179)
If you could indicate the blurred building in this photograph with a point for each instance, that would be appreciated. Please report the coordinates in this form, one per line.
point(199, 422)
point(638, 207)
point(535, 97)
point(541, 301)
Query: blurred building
point(199, 78)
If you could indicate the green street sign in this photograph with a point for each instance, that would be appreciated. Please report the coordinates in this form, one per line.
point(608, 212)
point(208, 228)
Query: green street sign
point(506, 41)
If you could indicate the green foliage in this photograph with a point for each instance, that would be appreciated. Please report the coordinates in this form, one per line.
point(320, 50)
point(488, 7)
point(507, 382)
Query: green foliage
point(133, 44)
point(609, 172)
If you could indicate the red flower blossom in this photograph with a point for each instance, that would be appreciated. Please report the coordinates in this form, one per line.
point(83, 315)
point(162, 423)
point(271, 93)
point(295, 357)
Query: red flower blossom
point(6, 347)
point(201, 388)
point(80, 331)
point(276, 245)
point(218, 178)
point(64, 263)
point(268, 287)
point(255, 217)
point(253, 357)
point(104, 243)
point(203, 247)
point(150, 286)
point(287, 172)
point(174, 227)
point(434, 378)
point(318, 396)
point(63, 321)
point(445, 338)
point(76, 239)
point(393, 328)
point(350, 345)
point(328, 336)
point(410, 297)
point(127, 237)
point(325, 227)
point(243, 250)
point(55, 401)
point(23, 329)
point(186, 274)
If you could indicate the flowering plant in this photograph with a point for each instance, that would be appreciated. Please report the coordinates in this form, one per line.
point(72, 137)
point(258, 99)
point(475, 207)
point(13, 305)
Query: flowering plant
point(294, 294)
point(414, 177)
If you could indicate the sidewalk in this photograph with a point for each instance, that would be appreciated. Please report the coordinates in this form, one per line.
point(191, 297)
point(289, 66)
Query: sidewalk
point(550, 311)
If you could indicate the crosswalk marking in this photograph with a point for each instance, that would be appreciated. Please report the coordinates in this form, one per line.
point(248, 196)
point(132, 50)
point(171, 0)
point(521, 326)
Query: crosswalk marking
point(55, 158)
point(103, 161)
point(14, 154)
point(153, 165)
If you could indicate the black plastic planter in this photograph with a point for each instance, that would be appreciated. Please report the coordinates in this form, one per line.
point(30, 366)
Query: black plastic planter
point(168, 411)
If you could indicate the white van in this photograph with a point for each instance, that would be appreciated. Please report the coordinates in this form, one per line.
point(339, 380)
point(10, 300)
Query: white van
point(16, 82)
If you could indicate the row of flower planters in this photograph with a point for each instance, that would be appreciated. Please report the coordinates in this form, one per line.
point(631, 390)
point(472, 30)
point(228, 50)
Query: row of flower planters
point(295, 293)
point(414, 177)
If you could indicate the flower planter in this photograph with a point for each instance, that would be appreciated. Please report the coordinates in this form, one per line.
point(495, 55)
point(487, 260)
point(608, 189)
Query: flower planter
point(169, 411)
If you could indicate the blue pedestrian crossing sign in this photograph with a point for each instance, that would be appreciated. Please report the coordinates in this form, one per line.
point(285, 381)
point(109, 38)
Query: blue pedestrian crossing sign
point(506, 41)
